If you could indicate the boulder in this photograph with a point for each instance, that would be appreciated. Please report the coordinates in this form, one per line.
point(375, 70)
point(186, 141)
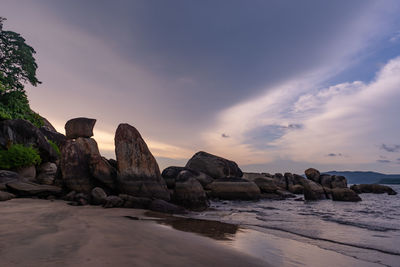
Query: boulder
point(214, 166)
point(75, 164)
point(326, 180)
point(289, 180)
point(113, 163)
point(298, 179)
point(23, 132)
point(138, 171)
point(344, 194)
point(103, 172)
point(285, 194)
point(98, 196)
point(28, 173)
point(313, 191)
point(280, 180)
point(113, 202)
point(296, 189)
point(189, 193)
point(373, 188)
point(58, 138)
point(251, 176)
point(234, 188)
point(266, 184)
point(25, 189)
point(79, 127)
point(135, 202)
point(7, 177)
point(170, 175)
point(338, 182)
point(163, 206)
point(47, 173)
point(313, 175)
point(4, 196)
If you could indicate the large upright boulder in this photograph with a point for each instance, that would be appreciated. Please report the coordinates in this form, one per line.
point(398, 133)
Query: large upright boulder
point(214, 166)
point(138, 171)
point(313, 175)
point(23, 132)
point(79, 127)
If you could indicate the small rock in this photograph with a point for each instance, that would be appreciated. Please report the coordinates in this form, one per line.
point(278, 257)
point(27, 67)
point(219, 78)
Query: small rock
point(98, 196)
point(4, 196)
point(113, 202)
point(135, 202)
point(28, 173)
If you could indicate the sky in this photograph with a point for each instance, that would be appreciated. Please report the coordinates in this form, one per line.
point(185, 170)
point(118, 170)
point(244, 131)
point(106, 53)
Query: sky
point(277, 86)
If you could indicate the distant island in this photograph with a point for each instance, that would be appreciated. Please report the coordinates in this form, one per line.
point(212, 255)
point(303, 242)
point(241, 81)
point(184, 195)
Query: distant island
point(360, 177)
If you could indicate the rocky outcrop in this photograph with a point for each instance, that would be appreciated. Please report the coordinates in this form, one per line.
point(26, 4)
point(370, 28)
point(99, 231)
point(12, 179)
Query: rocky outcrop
point(296, 189)
point(253, 175)
point(333, 181)
point(23, 132)
point(79, 127)
point(138, 171)
point(32, 189)
point(98, 196)
point(312, 190)
point(313, 175)
point(54, 136)
point(266, 184)
point(47, 173)
point(344, 194)
point(214, 166)
point(170, 175)
point(234, 188)
point(189, 193)
point(4, 196)
point(102, 171)
point(373, 188)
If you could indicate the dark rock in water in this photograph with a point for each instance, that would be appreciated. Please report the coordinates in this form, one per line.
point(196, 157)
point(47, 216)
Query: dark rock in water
point(135, 202)
point(296, 189)
point(344, 194)
point(170, 175)
point(280, 180)
point(163, 206)
point(313, 191)
point(189, 193)
point(47, 173)
point(98, 196)
point(138, 171)
point(79, 127)
point(373, 188)
point(54, 136)
point(23, 132)
point(75, 164)
point(113, 202)
point(333, 181)
point(214, 166)
point(102, 171)
point(313, 174)
point(31, 189)
point(234, 188)
point(7, 177)
point(4, 196)
point(285, 194)
point(266, 184)
point(289, 180)
point(272, 196)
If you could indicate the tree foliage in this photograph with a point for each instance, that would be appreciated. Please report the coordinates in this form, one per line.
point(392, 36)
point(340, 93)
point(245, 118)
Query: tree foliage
point(17, 64)
point(18, 156)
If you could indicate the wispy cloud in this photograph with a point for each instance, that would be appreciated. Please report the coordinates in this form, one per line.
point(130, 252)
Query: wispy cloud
point(390, 148)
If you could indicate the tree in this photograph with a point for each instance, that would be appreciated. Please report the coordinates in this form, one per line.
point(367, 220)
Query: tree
point(17, 64)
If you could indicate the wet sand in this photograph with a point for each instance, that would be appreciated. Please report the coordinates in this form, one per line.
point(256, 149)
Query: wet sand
point(44, 233)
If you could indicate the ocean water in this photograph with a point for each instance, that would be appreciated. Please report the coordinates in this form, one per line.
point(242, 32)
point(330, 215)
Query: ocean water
point(366, 231)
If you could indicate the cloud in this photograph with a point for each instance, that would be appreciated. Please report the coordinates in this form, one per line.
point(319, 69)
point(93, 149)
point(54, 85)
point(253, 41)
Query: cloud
point(383, 161)
point(388, 148)
point(224, 135)
point(334, 155)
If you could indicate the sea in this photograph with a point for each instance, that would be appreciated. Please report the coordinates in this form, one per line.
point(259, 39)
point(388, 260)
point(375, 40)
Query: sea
point(314, 233)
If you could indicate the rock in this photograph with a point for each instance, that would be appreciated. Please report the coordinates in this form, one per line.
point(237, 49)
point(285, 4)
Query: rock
point(373, 188)
point(189, 193)
point(98, 196)
point(271, 196)
point(326, 180)
point(170, 175)
point(32, 189)
point(344, 194)
point(313, 191)
point(79, 127)
point(289, 180)
point(251, 176)
point(266, 185)
point(298, 179)
point(135, 202)
point(234, 188)
point(75, 162)
point(82, 199)
point(70, 196)
point(7, 177)
point(312, 174)
point(23, 132)
point(138, 171)
point(47, 173)
point(28, 173)
point(103, 172)
point(113, 163)
point(163, 206)
point(48, 125)
point(113, 202)
point(214, 166)
point(338, 182)
point(280, 180)
point(4, 196)
point(285, 194)
point(54, 136)
point(296, 189)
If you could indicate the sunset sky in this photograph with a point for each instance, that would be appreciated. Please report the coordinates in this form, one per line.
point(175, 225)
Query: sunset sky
point(274, 85)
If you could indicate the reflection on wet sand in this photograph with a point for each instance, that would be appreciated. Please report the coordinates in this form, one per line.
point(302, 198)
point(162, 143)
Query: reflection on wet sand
point(213, 229)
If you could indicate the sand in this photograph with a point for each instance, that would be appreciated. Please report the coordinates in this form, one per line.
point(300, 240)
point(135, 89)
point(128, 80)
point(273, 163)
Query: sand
point(37, 232)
